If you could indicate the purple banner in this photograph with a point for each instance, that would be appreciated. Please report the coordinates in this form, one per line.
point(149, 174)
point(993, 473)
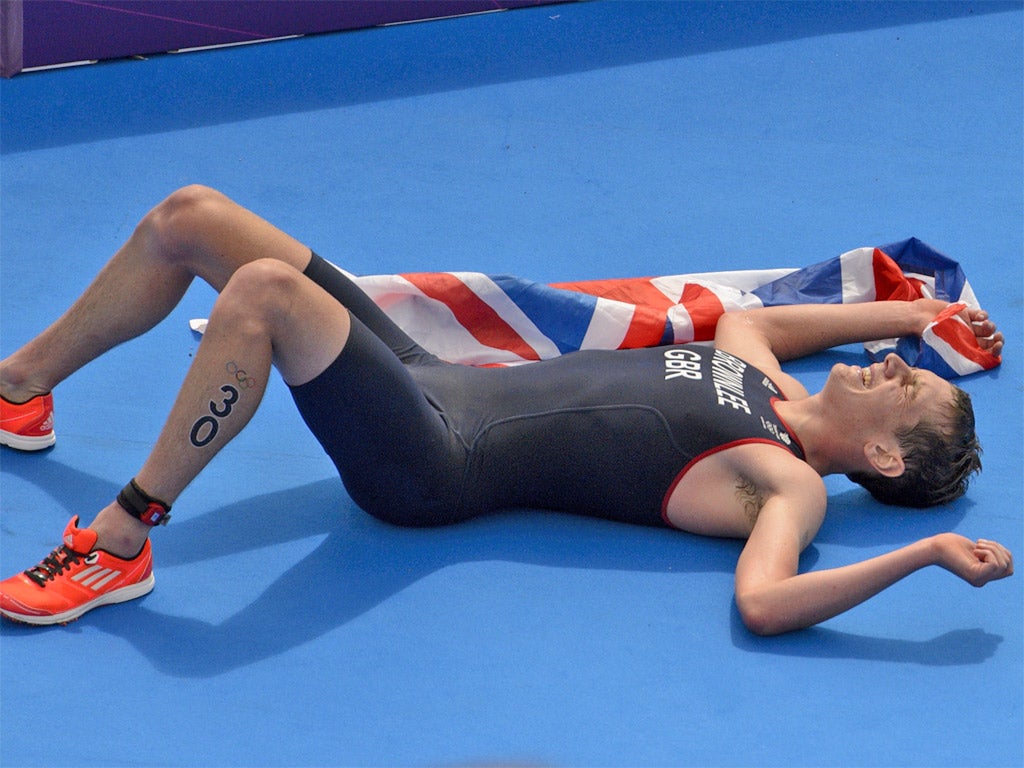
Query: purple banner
point(39, 33)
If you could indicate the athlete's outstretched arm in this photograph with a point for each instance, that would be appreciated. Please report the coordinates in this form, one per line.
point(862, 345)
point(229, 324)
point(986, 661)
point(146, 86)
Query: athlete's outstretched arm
point(773, 597)
point(770, 335)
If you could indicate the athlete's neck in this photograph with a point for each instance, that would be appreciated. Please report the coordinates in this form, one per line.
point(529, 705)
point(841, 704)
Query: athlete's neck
point(828, 448)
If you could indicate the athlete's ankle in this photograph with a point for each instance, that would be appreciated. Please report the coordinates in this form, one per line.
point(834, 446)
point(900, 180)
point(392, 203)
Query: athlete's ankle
point(16, 385)
point(118, 533)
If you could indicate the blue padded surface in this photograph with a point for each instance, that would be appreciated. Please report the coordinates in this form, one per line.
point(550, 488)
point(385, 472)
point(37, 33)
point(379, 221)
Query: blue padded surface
point(560, 143)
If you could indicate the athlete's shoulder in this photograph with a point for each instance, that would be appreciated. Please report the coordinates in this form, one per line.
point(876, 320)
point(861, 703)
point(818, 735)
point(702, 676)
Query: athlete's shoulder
point(733, 337)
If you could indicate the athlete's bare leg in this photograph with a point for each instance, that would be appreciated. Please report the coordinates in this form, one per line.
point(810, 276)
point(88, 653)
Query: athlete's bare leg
point(269, 313)
point(194, 232)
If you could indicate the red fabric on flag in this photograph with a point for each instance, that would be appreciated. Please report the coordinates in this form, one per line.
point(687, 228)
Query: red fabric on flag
point(475, 315)
point(705, 308)
point(890, 282)
point(647, 326)
point(631, 290)
point(961, 337)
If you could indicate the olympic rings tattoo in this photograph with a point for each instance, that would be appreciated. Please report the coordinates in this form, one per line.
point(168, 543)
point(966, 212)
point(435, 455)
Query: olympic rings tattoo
point(244, 380)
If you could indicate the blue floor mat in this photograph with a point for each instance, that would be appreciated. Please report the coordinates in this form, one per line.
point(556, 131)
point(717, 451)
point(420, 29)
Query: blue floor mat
point(559, 143)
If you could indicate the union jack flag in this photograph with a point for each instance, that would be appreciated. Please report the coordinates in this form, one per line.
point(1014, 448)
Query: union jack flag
point(478, 319)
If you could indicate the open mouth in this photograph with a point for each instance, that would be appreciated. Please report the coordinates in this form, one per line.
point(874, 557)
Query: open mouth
point(865, 377)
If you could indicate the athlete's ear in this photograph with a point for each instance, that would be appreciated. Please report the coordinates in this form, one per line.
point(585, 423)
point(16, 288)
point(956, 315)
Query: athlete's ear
point(885, 457)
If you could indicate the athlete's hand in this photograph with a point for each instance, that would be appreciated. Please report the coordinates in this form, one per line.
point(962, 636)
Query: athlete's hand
point(989, 337)
point(976, 562)
point(985, 332)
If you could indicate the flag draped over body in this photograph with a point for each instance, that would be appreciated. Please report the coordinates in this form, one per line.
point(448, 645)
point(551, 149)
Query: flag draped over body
point(477, 319)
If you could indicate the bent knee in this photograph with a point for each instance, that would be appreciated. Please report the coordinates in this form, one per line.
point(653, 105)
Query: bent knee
point(267, 284)
point(178, 224)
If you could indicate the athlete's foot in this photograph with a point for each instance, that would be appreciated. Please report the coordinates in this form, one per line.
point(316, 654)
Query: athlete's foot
point(75, 578)
point(28, 425)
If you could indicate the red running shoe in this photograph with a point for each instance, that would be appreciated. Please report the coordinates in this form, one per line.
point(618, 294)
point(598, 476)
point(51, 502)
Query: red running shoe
point(27, 426)
point(73, 579)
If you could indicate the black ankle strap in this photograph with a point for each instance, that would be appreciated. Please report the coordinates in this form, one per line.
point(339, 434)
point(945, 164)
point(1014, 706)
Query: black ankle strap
point(141, 505)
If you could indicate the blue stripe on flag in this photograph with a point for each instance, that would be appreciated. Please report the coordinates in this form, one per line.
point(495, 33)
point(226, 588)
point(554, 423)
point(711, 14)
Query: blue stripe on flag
point(918, 354)
point(912, 255)
point(669, 334)
point(820, 283)
point(562, 316)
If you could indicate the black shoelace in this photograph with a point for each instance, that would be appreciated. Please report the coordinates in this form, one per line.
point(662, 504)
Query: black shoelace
point(53, 565)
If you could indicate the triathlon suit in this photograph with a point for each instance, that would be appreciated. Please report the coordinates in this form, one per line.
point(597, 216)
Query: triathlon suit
point(418, 441)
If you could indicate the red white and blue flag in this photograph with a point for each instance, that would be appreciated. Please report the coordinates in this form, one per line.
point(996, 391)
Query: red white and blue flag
point(477, 319)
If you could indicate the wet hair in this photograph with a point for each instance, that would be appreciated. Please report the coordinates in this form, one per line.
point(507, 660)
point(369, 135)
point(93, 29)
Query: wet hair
point(938, 462)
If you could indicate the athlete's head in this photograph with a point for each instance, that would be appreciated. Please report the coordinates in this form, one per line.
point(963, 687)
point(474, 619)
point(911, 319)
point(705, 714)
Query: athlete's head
point(912, 429)
point(939, 453)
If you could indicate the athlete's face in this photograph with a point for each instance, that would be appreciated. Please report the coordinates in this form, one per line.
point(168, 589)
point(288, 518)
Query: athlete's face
point(890, 396)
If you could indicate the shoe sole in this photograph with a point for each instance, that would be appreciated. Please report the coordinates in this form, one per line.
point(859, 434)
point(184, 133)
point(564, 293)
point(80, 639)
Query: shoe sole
point(115, 596)
point(22, 443)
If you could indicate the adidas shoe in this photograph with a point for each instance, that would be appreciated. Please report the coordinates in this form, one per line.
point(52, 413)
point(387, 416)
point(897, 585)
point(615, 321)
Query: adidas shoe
point(73, 579)
point(27, 426)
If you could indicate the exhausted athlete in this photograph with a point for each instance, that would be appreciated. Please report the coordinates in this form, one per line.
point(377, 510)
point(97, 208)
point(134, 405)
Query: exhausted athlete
point(714, 441)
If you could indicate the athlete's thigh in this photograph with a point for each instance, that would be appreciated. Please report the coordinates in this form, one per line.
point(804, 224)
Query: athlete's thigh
point(394, 451)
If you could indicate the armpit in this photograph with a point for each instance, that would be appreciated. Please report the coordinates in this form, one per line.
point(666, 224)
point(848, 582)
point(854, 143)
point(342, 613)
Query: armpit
point(750, 498)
